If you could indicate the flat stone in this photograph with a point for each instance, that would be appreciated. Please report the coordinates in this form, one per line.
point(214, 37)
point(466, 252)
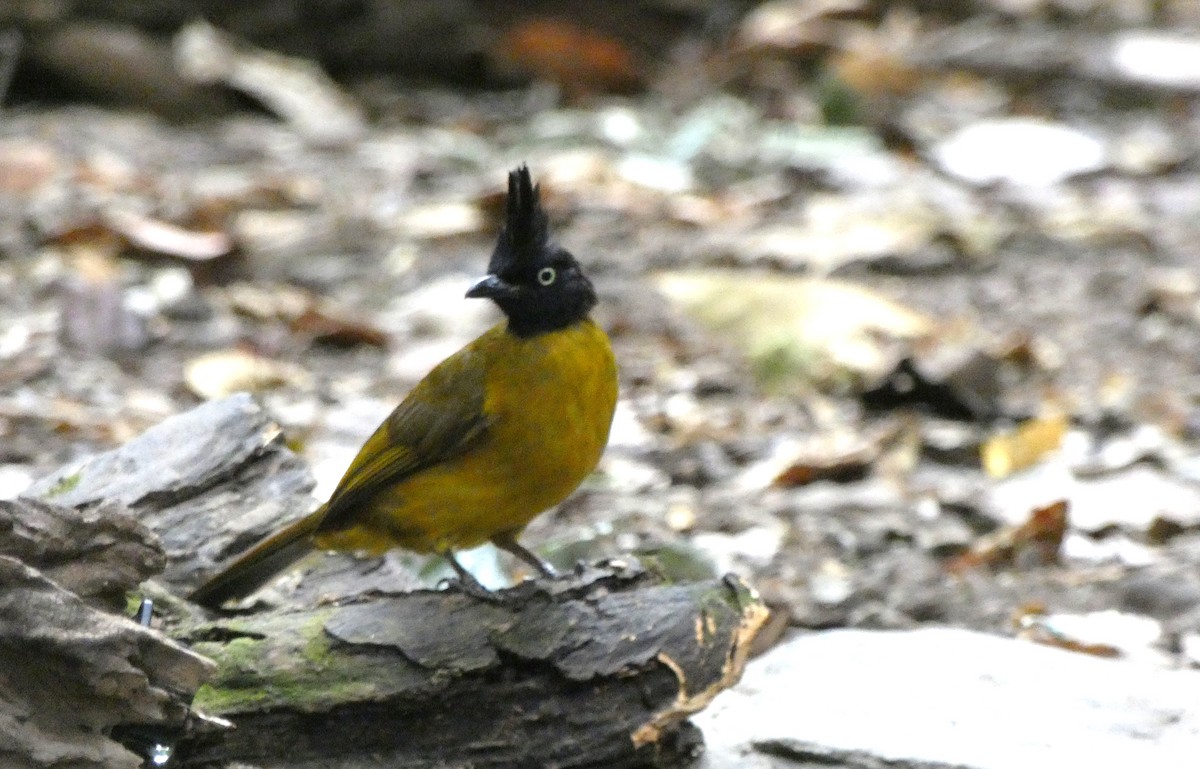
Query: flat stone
point(942, 697)
point(1131, 499)
point(207, 482)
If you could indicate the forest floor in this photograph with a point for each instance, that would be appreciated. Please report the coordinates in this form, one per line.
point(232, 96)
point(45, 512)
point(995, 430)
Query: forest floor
point(946, 379)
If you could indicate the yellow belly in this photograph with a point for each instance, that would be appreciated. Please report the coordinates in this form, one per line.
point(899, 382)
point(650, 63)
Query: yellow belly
point(549, 400)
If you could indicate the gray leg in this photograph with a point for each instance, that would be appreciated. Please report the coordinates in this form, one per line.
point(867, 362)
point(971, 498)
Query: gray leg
point(466, 579)
point(508, 541)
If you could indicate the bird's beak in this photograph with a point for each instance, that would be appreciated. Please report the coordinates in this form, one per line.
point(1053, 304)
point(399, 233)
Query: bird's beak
point(492, 287)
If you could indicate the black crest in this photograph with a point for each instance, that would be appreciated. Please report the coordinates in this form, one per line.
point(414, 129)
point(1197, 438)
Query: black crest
point(526, 235)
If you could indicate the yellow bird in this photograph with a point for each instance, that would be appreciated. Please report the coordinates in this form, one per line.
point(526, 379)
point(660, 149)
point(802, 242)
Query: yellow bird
point(500, 431)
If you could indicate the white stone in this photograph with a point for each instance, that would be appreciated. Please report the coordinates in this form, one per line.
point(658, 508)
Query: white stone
point(948, 697)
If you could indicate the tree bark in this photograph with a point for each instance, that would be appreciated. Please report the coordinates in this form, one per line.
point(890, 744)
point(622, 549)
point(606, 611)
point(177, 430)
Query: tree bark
point(72, 674)
point(597, 669)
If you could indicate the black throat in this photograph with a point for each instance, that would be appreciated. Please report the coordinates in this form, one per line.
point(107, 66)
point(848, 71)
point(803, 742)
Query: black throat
point(530, 319)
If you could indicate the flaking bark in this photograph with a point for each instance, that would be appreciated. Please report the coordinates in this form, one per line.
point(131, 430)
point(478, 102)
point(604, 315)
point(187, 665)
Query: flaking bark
point(598, 669)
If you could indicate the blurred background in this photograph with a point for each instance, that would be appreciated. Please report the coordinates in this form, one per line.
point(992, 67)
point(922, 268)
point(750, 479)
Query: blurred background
point(905, 295)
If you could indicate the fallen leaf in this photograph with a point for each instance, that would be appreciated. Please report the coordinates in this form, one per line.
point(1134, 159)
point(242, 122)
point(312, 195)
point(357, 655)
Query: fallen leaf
point(580, 60)
point(442, 220)
point(1014, 450)
point(873, 60)
point(841, 457)
point(332, 327)
point(161, 237)
point(295, 89)
point(218, 374)
point(793, 26)
point(267, 301)
point(306, 314)
point(799, 331)
point(1041, 536)
point(1108, 633)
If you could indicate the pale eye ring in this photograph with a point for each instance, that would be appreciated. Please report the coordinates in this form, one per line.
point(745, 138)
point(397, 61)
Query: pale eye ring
point(546, 276)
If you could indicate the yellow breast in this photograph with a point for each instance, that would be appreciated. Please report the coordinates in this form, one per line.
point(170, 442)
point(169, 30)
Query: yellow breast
point(549, 402)
point(552, 397)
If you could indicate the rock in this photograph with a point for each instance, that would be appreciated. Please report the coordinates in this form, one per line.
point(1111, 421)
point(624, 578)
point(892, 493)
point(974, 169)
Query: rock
point(1131, 500)
point(1020, 151)
point(940, 697)
point(70, 674)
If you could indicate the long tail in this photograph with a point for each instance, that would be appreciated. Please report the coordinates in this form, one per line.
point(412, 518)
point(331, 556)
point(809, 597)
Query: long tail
point(255, 567)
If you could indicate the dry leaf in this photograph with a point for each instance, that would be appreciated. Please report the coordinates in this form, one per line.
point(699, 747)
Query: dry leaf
point(1041, 536)
point(297, 90)
point(308, 315)
point(1004, 454)
point(441, 220)
point(793, 26)
point(1108, 633)
point(330, 326)
point(218, 374)
point(840, 461)
point(799, 330)
point(162, 237)
point(579, 60)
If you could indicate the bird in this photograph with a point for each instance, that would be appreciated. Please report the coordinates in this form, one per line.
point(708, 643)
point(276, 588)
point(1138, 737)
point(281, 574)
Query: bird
point(503, 429)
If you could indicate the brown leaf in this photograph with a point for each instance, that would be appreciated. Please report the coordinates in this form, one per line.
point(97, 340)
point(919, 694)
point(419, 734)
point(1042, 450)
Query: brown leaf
point(581, 61)
point(794, 26)
point(1041, 536)
point(1034, 623)
point(310, 316)
point(852, 466)
point(331, 327)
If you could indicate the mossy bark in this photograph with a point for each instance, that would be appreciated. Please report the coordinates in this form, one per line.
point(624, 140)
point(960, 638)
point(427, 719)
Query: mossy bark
point(599, 670)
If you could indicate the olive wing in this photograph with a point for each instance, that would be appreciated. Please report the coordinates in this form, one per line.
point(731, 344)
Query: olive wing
point(441, 418)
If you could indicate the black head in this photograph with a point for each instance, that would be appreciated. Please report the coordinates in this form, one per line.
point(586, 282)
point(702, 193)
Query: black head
point(539, 286)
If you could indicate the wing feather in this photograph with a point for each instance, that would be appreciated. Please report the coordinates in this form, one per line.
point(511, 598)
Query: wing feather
point(443, 417)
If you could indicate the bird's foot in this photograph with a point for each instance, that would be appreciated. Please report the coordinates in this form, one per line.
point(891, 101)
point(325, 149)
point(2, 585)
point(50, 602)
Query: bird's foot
point(466, 583)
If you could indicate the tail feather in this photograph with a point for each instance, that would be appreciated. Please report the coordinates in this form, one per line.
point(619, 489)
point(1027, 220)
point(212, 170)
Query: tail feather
point(259, 564)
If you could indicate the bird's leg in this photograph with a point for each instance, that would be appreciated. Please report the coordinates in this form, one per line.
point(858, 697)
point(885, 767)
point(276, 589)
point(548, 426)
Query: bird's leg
point(466, 580)
point(508, 541)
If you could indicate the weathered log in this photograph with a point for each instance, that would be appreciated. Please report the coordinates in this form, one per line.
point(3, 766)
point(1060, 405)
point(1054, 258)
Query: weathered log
point(208, 482)
point(70, 674)
point(99, 554)
point(600, 670)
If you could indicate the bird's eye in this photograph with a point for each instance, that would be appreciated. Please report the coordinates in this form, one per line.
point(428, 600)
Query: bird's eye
point(546, 276)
